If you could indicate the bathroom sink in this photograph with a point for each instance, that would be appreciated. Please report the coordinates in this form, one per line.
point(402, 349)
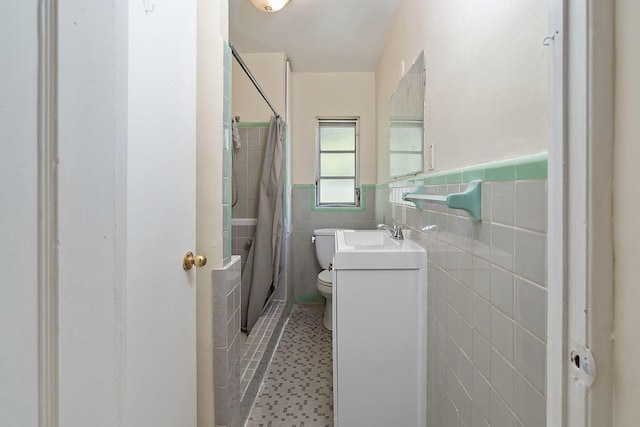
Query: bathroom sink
point(369, 239)
point(379, 295)
point(376, 249)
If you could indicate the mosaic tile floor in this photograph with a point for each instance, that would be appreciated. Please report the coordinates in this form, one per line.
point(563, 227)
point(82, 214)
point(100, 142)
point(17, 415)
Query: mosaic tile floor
point(298, 390)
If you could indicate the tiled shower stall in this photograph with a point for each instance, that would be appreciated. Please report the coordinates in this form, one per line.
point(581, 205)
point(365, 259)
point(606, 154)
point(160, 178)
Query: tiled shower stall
point(240, 362)
point(246, 185)
point(487, 293)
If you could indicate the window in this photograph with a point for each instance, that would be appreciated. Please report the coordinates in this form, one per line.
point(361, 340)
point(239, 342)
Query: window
point(406, 139)
point(337, 183)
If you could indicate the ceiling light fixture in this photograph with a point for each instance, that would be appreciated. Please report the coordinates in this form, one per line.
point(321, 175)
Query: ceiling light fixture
point(269, 5)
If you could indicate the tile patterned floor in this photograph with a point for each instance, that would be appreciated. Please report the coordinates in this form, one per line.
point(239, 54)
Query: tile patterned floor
point(298, 390)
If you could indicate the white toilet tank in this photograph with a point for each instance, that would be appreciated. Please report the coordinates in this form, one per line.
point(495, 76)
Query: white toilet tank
point(325, 239)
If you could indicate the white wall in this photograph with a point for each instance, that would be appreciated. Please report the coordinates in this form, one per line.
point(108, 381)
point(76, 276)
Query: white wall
point(626, 215)
point(19, 213)
point(486, 96)
point(92, 80)
point(333, 95)
point(212, 32)
point(269, 70)
point(209, 131)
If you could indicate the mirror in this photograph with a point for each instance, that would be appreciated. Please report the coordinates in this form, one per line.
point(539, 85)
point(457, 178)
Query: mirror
point(406, 123)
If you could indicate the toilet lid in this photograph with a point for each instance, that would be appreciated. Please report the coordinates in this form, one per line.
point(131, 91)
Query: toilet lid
point(326, 277)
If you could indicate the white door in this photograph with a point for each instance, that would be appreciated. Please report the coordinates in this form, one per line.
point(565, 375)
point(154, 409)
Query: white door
point(124, 341)
point(18, 213)
point(160, 295)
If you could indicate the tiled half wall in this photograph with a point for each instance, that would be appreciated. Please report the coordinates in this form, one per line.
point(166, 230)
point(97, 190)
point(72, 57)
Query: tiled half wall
point(307, 217)
point(226, 341)
point(487, 293)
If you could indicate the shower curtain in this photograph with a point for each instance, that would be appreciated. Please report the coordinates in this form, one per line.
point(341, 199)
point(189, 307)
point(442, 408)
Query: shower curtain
point(262, 269)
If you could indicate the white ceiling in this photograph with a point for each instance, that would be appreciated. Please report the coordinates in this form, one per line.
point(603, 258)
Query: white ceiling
point(316, 35)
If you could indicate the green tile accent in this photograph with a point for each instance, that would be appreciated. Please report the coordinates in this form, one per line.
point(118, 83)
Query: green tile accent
point(534, 168)
point(253, 124)
point(501, 173)
point(436, 180)
point(310, 299)
point(519, 168)
point(303, 186)
point(472, 174)
point(454, 178)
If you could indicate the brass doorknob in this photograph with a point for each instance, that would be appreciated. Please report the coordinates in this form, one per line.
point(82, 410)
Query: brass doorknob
point(190, 260)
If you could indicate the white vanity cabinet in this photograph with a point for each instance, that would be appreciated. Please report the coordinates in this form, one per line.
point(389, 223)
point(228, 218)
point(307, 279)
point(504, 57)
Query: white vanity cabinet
point(379, 335)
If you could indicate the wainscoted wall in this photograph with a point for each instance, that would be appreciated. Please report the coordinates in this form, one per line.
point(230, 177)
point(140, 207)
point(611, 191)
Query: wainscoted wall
point(226, 341)
point(306, 218)
point(487, 295)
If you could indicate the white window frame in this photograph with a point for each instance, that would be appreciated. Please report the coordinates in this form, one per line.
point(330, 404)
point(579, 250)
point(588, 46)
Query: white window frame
point(356, 176)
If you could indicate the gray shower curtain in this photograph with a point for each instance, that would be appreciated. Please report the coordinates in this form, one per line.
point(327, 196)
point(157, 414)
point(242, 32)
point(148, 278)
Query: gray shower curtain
point(262, 269)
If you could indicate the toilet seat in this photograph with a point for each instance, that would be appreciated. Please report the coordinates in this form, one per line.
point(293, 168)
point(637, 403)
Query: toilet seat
point(325, 277)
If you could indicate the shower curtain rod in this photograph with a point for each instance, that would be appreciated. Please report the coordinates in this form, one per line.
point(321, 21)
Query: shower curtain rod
point(253, 79)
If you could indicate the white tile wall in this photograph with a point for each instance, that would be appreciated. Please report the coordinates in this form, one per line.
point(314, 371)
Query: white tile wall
point(530, 405)
point(247, 172)
point(502, 197)
point(502, 330)
point(482, 278)
point(226, 332)
point(530, 298)
point(502, 246)
point(482, 317)
point(531, 205)
point(501, 414)
point(503, 378)
point(530, 253)
point(530, 359)
point(487, 303)
point(502, 290)
point(481, 354)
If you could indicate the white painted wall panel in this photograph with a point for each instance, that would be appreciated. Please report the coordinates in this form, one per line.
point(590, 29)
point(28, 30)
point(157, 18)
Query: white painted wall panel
point(269, 70)
point(331, 95)
point(90, 65)
point(18, 213)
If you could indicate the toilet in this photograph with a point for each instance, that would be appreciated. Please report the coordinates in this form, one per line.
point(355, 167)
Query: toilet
point(324, 239)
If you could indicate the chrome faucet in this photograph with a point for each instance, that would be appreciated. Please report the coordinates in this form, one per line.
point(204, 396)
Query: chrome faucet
point(396, 232)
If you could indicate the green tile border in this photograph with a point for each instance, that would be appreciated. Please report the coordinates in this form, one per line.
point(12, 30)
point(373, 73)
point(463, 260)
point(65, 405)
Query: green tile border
point(314, 208)
point(517, 169)
point(309, 299)
point(252, 124)
point(533, 169)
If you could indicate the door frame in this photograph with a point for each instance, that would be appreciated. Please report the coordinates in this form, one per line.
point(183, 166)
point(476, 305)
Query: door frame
point(47, 264)
point(580, 251)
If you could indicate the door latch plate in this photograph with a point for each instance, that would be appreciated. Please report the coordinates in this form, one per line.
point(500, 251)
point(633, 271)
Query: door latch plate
point(583, 365)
